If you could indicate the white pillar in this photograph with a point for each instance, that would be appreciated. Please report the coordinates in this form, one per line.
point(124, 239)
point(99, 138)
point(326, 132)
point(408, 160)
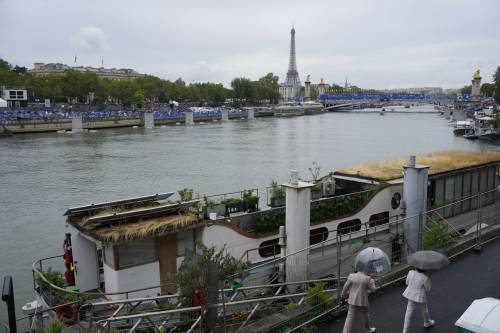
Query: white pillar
point(415, 199)
point(307, 90)
point(297, 222)
point(251, 114)
point(85, 260)
point(149, 119)
point(225, 115)
point(77, 123)
point(189, 117)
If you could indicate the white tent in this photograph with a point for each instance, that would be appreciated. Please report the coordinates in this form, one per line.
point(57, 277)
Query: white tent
point(3, 103)
point(481, 316)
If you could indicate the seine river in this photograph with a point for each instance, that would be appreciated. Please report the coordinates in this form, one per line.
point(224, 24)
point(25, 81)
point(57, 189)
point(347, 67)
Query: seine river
point(42, 175)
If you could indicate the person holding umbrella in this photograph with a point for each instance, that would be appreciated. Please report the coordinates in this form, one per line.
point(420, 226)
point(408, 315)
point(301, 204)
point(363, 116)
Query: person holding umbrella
point(369, 262)
point(419, 284)
point(356, 290)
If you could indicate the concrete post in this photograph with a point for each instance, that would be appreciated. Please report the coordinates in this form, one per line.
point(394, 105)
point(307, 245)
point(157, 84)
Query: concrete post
point(189, 117)
point(297, 223)
point(251, 114)
point(149, 119)
point(415, 199)
point(77, 123)
point(224, 115)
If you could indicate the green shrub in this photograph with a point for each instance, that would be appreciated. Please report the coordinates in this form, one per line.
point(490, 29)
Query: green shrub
point(232, 201)
point(317, 295)
point(437, 236)
point(186, 194)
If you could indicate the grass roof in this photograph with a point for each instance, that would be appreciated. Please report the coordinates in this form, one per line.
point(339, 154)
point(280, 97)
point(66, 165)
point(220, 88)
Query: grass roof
point(437, 162)
point(156, 226)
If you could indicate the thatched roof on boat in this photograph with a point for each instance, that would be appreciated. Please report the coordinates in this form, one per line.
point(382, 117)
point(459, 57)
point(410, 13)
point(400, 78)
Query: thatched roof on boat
point(136, 218)
point(155, 226)
point(440, 162)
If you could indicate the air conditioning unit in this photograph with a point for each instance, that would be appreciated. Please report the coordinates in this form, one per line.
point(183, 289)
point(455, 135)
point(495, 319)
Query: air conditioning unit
point(328, 188)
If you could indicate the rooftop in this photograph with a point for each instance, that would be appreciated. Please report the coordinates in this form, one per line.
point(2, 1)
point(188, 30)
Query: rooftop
point(137, 218)
point(440, 162)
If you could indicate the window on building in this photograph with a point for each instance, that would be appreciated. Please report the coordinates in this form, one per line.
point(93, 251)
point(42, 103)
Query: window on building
point(379, 219)
point(269, 248)
point(349, 226)
point(137, 253)
point(318, 235)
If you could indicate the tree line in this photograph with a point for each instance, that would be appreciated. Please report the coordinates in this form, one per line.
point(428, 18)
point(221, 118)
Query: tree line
point(74, 86)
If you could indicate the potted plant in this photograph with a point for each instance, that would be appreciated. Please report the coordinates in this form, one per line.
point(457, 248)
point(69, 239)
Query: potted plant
point(233, 205)
point(211, 206)
point(277, 195)
point(251, 202)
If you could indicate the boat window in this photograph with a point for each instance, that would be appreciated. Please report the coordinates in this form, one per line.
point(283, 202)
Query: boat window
point(349, 226)
point(379, 219)
point(269, 248)
point(318, 235)
point(137, 253)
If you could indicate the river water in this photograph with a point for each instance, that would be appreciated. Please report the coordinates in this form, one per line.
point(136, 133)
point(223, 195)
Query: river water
point(42, 175)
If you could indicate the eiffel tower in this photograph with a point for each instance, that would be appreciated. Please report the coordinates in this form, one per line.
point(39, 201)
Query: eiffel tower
point(292, 76)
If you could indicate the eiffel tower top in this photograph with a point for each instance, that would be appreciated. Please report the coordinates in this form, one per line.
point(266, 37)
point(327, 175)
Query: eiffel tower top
point(292, 76)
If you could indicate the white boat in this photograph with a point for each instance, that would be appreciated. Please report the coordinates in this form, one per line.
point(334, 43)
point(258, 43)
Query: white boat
point(129, 248)
point(461, 127)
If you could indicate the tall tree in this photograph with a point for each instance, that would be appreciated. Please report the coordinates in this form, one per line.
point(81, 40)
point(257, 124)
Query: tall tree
point(496, 79)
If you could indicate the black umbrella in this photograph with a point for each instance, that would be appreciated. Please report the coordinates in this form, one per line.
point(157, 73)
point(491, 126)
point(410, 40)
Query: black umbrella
point(428, 260)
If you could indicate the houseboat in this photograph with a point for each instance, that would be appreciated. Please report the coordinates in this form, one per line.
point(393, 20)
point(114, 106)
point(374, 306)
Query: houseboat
point(129, 248)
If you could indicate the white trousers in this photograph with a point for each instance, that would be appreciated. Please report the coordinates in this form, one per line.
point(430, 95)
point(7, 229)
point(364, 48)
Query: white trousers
point(357, 319)
point(409, 311)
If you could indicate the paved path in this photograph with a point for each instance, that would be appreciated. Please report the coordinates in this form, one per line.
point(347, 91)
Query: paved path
point(470, 276)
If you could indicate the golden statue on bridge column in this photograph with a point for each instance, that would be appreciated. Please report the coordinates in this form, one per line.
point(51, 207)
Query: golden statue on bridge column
point(477, 74)
point(322, 81)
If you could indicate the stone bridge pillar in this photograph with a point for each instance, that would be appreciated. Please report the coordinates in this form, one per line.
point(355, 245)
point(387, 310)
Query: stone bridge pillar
point(77, 123)
point(149, 119)
point(189, 120)
point(224, 115)
point(251, 114)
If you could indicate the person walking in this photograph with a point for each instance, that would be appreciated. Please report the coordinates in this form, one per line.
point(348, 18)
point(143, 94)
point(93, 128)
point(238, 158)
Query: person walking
point(419, 284)
point(356, 290)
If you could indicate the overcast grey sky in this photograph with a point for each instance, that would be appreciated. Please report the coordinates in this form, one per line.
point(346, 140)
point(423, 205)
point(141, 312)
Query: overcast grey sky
point(374, 43)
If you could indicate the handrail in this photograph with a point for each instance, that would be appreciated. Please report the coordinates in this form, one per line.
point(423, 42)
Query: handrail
point(53, 286)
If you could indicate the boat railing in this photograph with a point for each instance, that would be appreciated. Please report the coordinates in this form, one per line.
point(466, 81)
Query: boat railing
point(57, 293)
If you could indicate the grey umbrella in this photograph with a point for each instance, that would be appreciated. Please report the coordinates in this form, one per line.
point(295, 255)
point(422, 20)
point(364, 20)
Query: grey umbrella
point(428, 260)
point(372, 261)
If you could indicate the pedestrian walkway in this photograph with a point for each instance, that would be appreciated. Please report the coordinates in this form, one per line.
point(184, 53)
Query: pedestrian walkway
point(468, 277)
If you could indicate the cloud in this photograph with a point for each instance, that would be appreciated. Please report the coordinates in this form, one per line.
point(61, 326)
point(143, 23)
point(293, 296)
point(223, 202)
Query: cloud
point(90, 39)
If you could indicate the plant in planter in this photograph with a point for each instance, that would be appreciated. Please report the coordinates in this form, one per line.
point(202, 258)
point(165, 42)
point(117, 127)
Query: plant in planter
point(210, 206)
point(233, 205)
point(277, 194)
point(186, 194)
point(251, 201)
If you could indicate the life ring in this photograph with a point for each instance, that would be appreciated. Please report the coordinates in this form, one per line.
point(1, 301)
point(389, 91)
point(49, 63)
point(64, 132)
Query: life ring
point(62, 316)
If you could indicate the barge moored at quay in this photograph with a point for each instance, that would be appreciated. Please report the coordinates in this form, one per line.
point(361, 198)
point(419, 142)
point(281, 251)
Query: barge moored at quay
point(127, 249)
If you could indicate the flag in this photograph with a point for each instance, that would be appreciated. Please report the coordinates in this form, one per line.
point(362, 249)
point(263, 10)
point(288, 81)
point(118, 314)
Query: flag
point(75, 58)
